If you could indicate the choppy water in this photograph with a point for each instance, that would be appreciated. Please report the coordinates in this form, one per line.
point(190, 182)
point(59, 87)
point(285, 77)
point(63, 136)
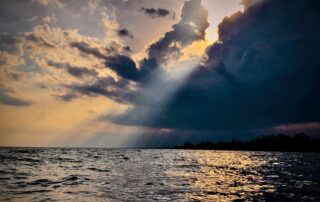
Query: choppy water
point(47, 174)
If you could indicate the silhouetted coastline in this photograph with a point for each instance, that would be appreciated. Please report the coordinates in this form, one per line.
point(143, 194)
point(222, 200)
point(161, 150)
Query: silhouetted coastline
point(280, 142)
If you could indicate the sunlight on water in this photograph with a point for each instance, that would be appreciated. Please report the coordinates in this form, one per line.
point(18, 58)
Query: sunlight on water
point(224, 176)
point(156, 175)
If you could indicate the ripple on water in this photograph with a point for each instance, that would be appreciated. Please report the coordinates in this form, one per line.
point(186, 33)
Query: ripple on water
point(179, 175)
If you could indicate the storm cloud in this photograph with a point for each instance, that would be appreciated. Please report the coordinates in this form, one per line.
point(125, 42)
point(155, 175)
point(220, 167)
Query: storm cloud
point(124, 66)
point(264, 71)
point(189, 29)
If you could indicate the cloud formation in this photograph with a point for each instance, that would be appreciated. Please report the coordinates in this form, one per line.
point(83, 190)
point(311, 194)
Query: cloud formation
point(124, 33)
point(105, 86)
point(7, 99)
point(264, 71)
point(192, 26)
point(85, 48)
point(155, 12)
point(78, 72)
point(185, 32)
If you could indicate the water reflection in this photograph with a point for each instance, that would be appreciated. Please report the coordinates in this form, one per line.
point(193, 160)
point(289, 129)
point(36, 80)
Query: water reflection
point(157, 175)
point(224, 176)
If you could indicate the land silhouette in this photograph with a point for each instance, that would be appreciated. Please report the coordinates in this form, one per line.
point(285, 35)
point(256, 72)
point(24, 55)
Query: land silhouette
point(280, 142)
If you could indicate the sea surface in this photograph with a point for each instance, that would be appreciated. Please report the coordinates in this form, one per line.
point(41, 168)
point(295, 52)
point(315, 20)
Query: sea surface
point(81, 174)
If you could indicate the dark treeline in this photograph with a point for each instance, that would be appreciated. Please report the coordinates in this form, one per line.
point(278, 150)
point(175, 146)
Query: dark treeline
point(280, 142)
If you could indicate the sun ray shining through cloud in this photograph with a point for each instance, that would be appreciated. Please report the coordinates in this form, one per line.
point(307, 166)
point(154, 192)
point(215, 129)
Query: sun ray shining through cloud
point(159, 100)
point(142, 67)
point(156, 94)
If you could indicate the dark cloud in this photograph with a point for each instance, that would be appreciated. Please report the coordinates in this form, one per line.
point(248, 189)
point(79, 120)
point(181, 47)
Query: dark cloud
point(155, 12)
point(188, 30)
point(81, 71)
point(124, 66)
point(124, 33)
point(85, 48)
point(182, 34)
point(57, 65)
point(68, 97)
point(128, 49)
point(105, 86)
point(78, 72)
point(263, 72)
point(7, 99)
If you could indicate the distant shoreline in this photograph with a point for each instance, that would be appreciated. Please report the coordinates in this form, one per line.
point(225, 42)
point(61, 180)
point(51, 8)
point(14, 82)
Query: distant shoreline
point(266, 143)
point(277, 143)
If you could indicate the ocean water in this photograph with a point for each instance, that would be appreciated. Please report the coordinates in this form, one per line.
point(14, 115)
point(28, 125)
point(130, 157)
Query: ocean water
point(62, 174)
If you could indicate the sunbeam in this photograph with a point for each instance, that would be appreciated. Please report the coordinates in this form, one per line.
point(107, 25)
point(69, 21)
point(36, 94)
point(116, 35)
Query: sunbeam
point(131, 100)
point(162, 85)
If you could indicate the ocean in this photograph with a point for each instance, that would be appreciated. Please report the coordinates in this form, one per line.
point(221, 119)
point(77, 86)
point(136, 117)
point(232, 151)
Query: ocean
point(88, 174)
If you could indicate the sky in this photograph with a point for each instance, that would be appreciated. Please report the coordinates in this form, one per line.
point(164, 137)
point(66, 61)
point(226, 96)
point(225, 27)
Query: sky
point(156, 73)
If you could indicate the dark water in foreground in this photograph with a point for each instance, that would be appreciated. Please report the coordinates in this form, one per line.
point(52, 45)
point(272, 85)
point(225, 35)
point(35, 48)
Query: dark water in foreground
point(160, 175)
